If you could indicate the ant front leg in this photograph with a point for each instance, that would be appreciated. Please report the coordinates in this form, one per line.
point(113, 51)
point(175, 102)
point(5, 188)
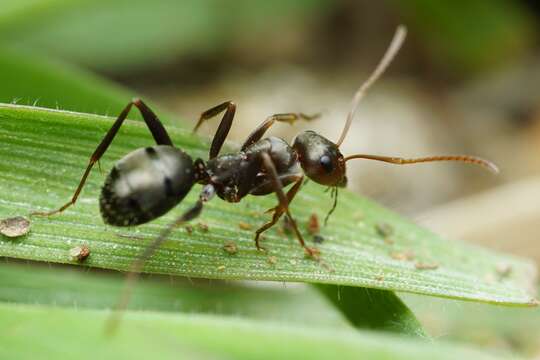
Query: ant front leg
point(290, 118)
point(283, 206)
point(152, 122)
point(224, 126)
point(278, 210)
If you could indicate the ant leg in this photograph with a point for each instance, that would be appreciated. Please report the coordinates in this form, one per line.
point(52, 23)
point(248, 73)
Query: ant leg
point(224, 126)
point(283, 206)
point(290, 118)
point(278, 210)
point(206, 195)
point(152, 122)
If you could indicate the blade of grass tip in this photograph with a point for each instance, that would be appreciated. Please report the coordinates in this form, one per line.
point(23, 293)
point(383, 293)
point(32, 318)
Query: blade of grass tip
point(373, 309)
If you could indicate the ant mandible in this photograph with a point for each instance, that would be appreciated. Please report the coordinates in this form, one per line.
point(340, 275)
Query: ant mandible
point(148, 182)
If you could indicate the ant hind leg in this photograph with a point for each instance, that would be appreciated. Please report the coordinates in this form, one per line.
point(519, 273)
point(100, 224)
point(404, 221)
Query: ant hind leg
point(152, 122)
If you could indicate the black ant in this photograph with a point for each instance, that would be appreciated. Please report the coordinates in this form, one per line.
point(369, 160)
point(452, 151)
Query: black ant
point(149, 182)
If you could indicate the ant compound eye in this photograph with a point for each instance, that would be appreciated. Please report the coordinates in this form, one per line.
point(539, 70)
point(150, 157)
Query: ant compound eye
point(326, 163)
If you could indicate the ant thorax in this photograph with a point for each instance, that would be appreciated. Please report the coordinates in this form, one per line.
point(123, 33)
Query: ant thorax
point(239, 174)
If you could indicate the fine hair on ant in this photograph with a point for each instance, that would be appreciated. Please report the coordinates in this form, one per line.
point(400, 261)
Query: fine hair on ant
point(148, 182)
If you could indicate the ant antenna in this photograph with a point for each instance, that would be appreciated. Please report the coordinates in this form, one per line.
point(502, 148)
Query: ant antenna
point(401, 161)
point(391, 52)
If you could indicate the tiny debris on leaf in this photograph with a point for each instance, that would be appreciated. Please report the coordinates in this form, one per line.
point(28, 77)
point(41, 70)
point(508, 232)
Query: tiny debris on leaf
point(379, 277)
point(202, 227)
point(384, 229)
point(189, 229)
point(15, 226)
point(244, 226)
point(129, 236)
point(272, 260)
point(312, 253)
point(503, 270)
point(79, 253)
point(230, 247)
point(318, 239)
point(402, 255)
point(313, 226)
point(426, 266)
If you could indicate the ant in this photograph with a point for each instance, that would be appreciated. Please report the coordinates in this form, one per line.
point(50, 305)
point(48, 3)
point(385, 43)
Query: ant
point(148, 182)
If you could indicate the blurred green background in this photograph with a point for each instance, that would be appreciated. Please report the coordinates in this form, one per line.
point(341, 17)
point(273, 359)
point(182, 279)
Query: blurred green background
point(466, 81)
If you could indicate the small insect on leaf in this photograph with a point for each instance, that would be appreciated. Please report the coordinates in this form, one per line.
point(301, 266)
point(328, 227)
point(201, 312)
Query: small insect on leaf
point(79, 253)
point(313, 226)
point(426, 266)
point(15, 226)
point(244, 225)
point(318, 239)
point(230, 247)
point(402, 255)
point(202, 227)
point(384, 229)
point(272, 260)
point(503, 270)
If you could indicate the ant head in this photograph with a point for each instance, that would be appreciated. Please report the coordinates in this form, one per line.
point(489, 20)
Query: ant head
point(321, 159)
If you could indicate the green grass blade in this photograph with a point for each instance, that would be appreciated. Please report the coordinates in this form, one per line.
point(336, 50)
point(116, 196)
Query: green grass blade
point(373, 309)
point(43, 154)
point(62, 333)
point(363, 308)
point(76, 287)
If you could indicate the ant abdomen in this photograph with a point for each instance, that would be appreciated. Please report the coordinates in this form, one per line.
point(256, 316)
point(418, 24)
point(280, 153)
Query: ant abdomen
point(146, 184)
